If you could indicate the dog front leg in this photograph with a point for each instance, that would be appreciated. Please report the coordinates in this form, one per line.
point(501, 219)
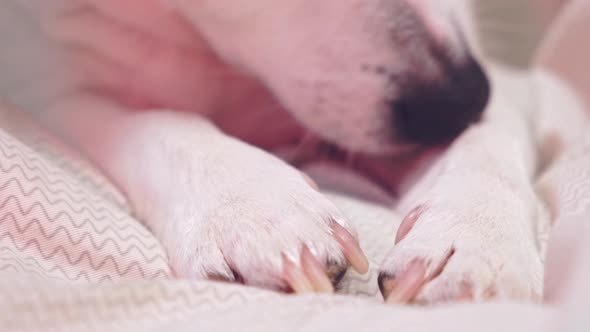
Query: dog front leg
point(222, 208)
point(471, 232)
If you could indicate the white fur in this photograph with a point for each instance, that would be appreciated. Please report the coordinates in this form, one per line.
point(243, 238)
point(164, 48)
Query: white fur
point(176, 63)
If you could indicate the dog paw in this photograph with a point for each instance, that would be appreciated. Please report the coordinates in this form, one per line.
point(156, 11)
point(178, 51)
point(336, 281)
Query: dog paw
point(445, 253)
point(258, 221)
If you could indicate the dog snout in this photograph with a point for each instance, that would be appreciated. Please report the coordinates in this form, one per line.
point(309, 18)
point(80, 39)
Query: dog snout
point(437, 110)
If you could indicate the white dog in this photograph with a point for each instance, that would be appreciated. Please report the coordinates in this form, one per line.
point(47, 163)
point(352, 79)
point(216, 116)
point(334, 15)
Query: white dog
point(376, 79)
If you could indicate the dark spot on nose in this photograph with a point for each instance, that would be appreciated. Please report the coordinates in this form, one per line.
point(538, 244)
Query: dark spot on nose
point(436, 111)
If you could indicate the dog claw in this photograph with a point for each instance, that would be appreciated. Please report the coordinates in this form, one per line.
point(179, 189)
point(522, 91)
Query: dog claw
point(310, 181)
point(295, 277)
point(351, 248)
point(404, 288)
point(315, 272)
point(408, 223)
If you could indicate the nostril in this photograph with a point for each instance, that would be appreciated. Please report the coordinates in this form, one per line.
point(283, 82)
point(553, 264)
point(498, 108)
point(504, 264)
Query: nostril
point(433, 112)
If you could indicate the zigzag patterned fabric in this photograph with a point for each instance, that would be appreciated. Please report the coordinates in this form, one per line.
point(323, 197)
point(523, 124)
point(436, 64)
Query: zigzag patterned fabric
point(60, 220)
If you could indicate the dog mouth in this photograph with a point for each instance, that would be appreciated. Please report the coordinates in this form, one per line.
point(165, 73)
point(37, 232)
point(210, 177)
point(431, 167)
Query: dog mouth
point(385, 171)
point(303, 148)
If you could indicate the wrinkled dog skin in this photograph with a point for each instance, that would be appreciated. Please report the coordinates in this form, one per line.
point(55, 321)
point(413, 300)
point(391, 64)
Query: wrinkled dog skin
point(143, 86)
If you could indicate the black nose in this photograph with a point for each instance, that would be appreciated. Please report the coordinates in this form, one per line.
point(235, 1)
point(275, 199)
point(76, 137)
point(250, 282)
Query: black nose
point(436, 111)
